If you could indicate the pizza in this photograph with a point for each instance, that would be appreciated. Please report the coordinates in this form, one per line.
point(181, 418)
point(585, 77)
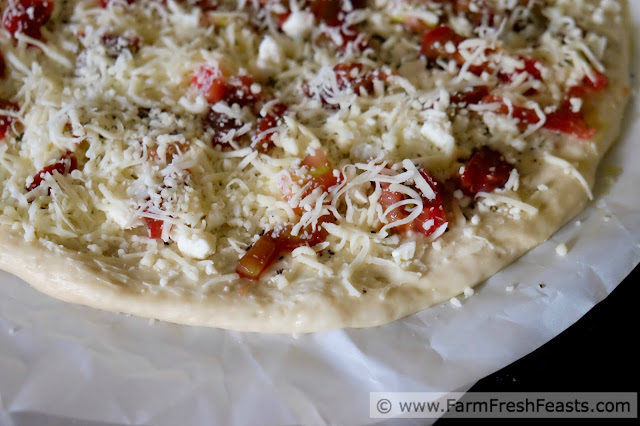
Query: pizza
point(295, 166)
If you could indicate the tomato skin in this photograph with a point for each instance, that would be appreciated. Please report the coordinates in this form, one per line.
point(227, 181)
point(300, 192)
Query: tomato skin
point(563, 120)
point(320, 170)
point(566, 121)
point(431, 209)
point(5, 121)
point(486, 171)
point(27, 16)
point(470, 97)
point(154, 227)
point(270, 121)
point(215, 87)
point(210, 83)
point(434, 43)
point(525, 115)
point(327, 11)
point(221, 124)
point(272, 244)
point(238, 91)
point(65, 165)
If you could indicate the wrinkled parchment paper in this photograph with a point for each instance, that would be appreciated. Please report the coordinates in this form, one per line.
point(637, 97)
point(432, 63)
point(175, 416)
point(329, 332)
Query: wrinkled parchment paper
point(64, 364)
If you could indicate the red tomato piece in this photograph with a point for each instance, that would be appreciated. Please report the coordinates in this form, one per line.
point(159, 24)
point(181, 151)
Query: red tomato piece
point(221, 124)
point(65, 165)
point(486, 171)
point(599, 81)
point(564, 120)
point(328, 11)
point(5, 120)
point(428, 221)
point(273, 244)
point(258, 258)
point(320, 170)
point(389, 198)
point(154, 227)
point(531, 66)
point(434, 44)
point(238, 91)
point(210, 83)
point(589, 86)
point(271, 120)
point(27, 16)
point(525, 115)
point(470, 96)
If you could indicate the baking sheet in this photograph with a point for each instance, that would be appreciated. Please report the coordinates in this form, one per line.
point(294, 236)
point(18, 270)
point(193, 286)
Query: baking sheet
point(62, 364)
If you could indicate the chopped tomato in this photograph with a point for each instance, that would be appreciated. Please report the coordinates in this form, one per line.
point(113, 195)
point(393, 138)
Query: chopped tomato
point(531, 66)
point(273, 244)
point(115, 43)
point(210, 82)
point(389, 198)
point(352, 75)
point(321, 174)
point(564, 120)
point(154, 227)
point(239, 91)
point(27, 16)
point(65, 165)
point(258, 258)
point(221, 124)
point(525, 115)
point(328, 11)
point(599, 82)
point(3, 67)
point(435, 41)
point(271, 120)
point(320, 170)
point(5, 120)
point(486, 171)
point(215, 87)
point(428, 221)
point(470, 96)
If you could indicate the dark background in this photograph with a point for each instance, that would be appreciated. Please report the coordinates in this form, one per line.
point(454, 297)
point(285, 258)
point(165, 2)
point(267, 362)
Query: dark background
point(599, 353)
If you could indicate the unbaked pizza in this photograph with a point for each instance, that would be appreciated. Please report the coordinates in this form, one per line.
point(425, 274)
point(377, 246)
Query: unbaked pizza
point(296, 165)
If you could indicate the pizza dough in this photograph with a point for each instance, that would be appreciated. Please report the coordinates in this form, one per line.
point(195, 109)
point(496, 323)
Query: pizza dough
point(87, 241)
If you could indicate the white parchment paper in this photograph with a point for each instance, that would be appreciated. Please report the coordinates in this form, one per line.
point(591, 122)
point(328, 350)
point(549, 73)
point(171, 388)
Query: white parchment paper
point(63, 364)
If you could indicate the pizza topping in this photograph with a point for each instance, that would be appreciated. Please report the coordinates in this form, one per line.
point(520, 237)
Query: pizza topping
point(6, 120)
point(273, 244)
point(66, 164)
point(267, 124)
point(27, 16)
point(485, 171)
point(154, 227)
point(563, 120)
